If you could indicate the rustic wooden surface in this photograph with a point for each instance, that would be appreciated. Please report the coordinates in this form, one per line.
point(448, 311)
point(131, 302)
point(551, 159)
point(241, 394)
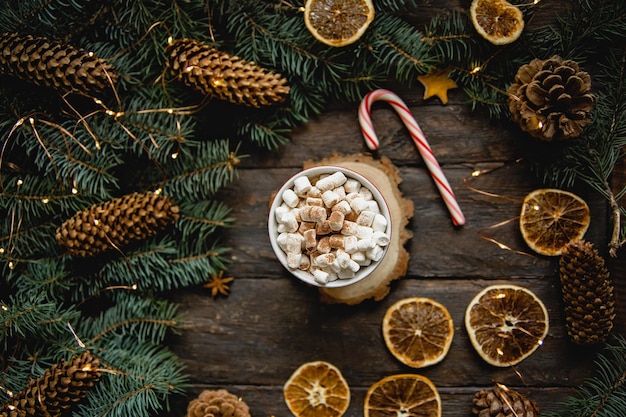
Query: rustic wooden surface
point(251, 341)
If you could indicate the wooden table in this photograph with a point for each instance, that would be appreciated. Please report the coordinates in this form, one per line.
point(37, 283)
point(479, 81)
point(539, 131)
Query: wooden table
point(251, 341)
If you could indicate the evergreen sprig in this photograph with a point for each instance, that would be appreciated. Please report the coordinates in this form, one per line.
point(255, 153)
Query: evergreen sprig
point(61, 154)
point(603, 395)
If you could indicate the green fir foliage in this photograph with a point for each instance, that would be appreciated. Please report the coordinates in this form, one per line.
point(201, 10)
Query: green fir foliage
point(60, 154)
point(604, 395)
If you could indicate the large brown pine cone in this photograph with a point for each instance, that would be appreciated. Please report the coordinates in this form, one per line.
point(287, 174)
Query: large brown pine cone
point(116, 223)
point(217, 403)
point(53, 64)
point(551, 99)
point(224, 76)
point(57, 390)
point(587, 293)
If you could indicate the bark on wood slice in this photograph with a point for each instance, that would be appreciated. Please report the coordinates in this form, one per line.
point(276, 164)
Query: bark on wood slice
point(384, 175)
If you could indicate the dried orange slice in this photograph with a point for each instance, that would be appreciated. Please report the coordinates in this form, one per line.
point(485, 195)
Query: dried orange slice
point(338, 22)
point(551, 218)
point(498, 21)
point(506, 323)
point(317, 389)
point(418, 331)
point(402, 395)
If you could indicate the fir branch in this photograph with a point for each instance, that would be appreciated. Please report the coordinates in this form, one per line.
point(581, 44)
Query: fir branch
point(605, 394)
point(199, 172)
point(132, 317)
point(32, 318)
point(139, 380)
point(399, 48)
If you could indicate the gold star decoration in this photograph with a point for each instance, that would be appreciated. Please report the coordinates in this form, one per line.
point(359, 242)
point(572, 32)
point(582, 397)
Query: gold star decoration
point(437, 84)
point(218, 284)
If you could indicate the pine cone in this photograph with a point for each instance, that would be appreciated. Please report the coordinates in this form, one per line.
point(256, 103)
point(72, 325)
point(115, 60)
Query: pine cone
point(587, 293)
point(219, 403)
point(218, 74)
point(503, 402)
point(551, 99)
point(53, 64)
point(116, 223)
point(60, 387)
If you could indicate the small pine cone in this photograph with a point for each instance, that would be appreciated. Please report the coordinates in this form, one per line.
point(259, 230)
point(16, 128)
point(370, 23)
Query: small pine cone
point(60, 387)
point(503, 402)
point(224, 76)
point(587, 293)
point(53, 64)
point(551, 99)
point(116, 223)
point(218, 403)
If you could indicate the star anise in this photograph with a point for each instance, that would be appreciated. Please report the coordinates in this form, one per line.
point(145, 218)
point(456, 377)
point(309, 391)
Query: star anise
point(218, 284)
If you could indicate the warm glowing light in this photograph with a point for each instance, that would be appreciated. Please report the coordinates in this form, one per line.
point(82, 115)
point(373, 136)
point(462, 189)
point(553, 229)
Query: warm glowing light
point(98, 101)
point(170, 111)
point(90, 53)
point(20, 182)
point(174, 155)
point(74, 190)
point(11, 265)
point(476, 173)
point(5, 308)
point(500, 352)
point(96, 222)
point(501, 295)
point(217, 82)
point(189, 68)
point(475, 70)
point(1, 250)
point(45, 200)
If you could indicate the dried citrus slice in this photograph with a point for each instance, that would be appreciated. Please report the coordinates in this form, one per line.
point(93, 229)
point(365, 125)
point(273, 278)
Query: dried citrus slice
point(317, 389)
point(418, 331)
point(402, 395)
point(551, 218)
point(498, 21)
point(506, 323)
point(338, 22)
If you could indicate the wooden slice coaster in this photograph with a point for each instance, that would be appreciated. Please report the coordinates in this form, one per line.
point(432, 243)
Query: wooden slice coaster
point(384, 175)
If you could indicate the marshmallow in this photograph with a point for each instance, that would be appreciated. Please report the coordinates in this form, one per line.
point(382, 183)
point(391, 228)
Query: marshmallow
point(366, 218)
point(380, 238)
point(343, 207)
point(352, 186)
point(330, 198)
point(313, 214)
point(302, 185)
point(380, 223)
point(290, 198)
point(314, 201)
point(359, 204)
point(336, 221)
point(320, 276)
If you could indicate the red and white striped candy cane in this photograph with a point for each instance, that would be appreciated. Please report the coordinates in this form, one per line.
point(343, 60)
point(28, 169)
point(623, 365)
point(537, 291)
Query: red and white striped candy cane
point(367, 128)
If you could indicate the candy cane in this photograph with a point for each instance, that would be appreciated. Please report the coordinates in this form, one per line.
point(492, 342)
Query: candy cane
point(367, 128)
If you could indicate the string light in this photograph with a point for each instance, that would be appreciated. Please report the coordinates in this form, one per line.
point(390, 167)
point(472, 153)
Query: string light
point(45, 200)
point(174, 155)
point(19, 182)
